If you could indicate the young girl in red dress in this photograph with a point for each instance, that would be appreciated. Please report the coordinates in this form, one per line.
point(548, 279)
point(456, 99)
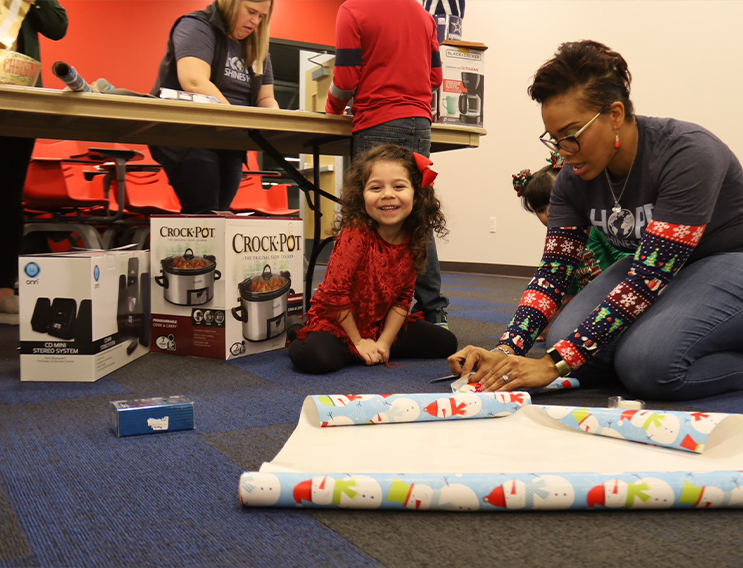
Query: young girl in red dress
point(360, 311)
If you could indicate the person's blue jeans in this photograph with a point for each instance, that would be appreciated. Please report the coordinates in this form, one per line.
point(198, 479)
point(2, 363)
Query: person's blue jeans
point(688, 345)
point(413, 134)
point(205, 180)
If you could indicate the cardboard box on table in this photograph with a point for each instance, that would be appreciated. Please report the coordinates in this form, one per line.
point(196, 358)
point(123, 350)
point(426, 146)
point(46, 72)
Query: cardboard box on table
point(82, 314)
point(461, 97)
point(207, 314)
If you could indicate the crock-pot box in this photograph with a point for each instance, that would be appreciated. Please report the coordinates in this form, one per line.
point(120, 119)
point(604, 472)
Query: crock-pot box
point(82, 314)
point(225, 285)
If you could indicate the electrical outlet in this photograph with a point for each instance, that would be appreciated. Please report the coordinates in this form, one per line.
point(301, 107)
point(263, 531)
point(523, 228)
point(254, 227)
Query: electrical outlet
point(492, 224)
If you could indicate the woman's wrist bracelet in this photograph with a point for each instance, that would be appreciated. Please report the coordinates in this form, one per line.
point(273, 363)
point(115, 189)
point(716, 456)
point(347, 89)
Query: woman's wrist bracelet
point(502, 350)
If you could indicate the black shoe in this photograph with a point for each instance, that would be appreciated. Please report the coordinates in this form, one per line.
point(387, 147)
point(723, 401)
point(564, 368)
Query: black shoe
point(438, 317)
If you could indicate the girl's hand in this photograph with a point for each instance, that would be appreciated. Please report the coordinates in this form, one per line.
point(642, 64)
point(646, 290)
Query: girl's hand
point(383, 348)
point(369, 351)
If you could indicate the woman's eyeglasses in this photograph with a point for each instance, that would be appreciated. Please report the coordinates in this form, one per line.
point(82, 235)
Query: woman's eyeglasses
point(569, 143)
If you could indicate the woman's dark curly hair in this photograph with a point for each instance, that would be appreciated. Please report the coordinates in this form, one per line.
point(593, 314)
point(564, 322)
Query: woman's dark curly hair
point(536, 194)
point(425, 218)
point(600, 73)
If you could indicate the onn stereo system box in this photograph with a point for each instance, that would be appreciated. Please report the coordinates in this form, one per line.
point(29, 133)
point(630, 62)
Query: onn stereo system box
point(82, 314)
point(224, 286)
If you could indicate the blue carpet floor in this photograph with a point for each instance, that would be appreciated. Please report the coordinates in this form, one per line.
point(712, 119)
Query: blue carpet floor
point(72, 494)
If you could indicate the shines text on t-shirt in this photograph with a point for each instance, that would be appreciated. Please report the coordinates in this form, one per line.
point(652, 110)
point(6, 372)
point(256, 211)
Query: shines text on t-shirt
point(234, 68)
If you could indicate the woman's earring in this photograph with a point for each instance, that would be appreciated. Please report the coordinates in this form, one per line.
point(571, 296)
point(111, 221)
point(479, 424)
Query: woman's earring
point(616, 141)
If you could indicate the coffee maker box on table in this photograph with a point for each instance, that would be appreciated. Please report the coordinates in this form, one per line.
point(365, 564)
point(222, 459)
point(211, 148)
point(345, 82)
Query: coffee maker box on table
point(82, 314)
point(224, 285)
point(461, 96)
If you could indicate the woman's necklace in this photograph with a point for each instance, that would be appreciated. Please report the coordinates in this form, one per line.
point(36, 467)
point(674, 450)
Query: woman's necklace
point(617, 208)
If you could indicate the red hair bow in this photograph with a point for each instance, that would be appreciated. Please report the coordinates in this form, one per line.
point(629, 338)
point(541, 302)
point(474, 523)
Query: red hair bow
point(424, 165)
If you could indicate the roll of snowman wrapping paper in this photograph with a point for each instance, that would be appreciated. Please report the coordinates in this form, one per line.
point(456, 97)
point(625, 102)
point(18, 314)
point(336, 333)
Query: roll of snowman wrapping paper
point(696, 457)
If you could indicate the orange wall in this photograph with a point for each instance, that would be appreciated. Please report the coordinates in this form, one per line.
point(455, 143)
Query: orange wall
point(124, 40)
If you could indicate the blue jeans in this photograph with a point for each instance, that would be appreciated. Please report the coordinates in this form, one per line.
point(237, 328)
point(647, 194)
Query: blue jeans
point(413, 134)
point(205, 180)
point(688, 345)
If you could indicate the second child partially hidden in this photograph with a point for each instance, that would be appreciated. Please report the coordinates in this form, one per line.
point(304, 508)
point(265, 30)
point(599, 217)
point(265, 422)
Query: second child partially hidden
point(360, 310)
point(535, 190)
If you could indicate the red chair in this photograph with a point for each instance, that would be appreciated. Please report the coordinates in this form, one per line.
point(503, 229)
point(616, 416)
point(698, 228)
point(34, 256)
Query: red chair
point(68, 175)
point(147, 190)
point(52, 184)
point(67, 189)
point(252, 196)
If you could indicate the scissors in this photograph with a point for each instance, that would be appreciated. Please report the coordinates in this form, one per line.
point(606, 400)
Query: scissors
point(446, 378)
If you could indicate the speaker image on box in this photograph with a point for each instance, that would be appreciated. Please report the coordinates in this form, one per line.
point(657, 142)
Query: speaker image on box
point(39, 320)
point(125, 308)
point(61, 318)
point(132, 280)
point(84, 323)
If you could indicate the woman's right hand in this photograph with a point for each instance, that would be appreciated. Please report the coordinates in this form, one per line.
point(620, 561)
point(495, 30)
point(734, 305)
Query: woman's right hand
point(477, 359)
point(368, 350)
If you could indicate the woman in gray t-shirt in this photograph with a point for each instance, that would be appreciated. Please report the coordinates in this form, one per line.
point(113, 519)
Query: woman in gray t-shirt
point(220, 51)
point(666, 321)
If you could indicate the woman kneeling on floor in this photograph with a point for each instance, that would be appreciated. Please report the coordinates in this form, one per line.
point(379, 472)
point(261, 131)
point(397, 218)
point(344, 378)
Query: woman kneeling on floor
point(668, 321)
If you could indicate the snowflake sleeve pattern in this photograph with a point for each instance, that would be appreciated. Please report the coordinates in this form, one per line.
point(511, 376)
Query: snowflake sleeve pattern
point(563, 253)
point(664, 249)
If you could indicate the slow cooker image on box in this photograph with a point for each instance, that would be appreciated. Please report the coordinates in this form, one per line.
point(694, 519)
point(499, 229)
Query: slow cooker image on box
point(188, 280)
point(262, 308)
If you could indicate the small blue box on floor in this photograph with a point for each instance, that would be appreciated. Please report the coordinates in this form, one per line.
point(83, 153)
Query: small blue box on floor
point(151, 415)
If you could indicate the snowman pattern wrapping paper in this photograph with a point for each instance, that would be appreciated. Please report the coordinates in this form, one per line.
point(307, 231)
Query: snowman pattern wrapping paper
point(678, 431)
point(493, 492)
point(358, 409)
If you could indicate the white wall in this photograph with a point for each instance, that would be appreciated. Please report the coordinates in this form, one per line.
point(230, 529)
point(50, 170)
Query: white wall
point(686, 60)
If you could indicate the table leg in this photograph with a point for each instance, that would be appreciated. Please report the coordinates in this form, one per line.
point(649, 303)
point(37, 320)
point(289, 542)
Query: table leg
point(310, 189)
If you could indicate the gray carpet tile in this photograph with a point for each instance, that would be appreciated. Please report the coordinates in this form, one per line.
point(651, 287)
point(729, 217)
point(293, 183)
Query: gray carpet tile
point(541, 539)
point(251, 447)
point(12, 537)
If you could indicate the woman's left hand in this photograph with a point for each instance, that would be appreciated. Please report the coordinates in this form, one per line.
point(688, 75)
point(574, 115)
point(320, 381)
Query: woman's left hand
point(521, 373)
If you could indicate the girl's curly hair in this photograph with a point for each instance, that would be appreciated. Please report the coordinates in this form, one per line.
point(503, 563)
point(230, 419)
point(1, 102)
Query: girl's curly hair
point(425, 218)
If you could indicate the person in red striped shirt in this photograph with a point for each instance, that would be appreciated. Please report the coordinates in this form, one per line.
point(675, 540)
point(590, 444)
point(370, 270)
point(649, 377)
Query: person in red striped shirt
point(387, 61)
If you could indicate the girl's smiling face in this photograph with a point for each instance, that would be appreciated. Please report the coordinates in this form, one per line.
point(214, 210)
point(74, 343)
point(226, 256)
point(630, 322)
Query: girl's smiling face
point(389, 197)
